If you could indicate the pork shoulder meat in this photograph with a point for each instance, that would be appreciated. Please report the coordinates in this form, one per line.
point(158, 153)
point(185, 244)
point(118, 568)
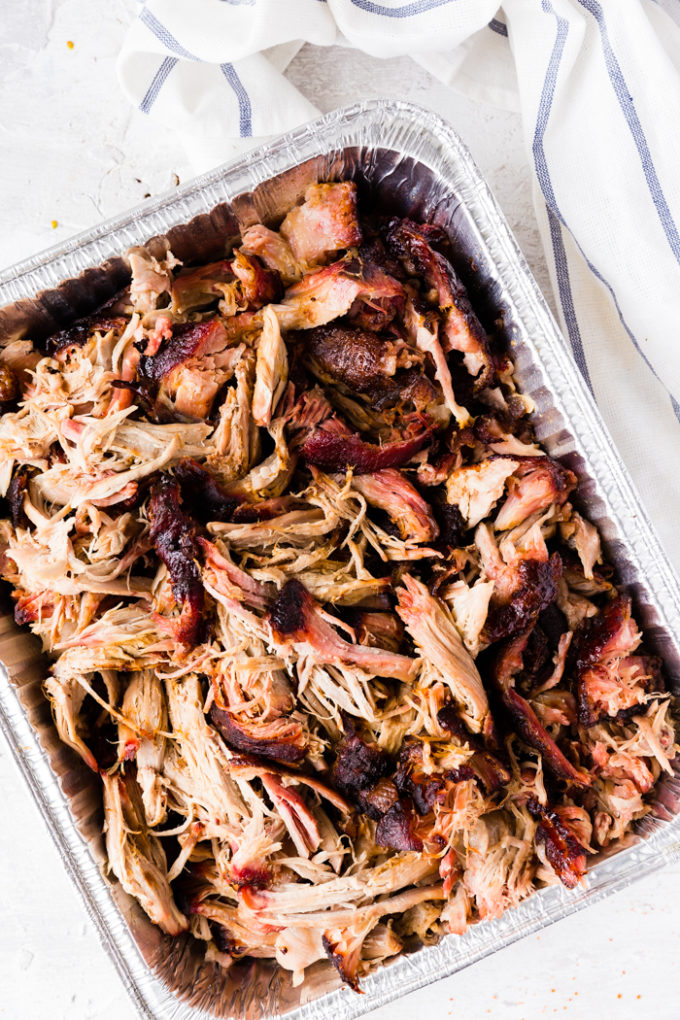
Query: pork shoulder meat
point(326, 222)
point(463, 332)
point(82, 330)
point(562, 849)
point(535, 589)
point(356, 357)
point(279, 739)
point(303, 570)
point(175, 539)
point(611, 680)
point(241, 283)
point(186, 373)
point(334, 452)
point(202, 494)
point(296, 619)
point(346, 286)
point(359, 765)
point(507, 666)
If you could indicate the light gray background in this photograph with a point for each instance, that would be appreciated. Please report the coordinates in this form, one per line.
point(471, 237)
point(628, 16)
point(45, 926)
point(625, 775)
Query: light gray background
point(74, 152)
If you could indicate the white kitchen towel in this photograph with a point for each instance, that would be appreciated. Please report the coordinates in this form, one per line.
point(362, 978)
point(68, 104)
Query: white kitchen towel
point(598, 86)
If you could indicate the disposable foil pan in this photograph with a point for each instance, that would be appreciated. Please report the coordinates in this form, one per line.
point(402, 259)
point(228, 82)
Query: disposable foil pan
point(406, 160)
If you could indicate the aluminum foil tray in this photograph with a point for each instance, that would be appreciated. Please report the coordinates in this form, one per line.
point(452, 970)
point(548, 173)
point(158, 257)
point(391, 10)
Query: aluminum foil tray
point(408, 161)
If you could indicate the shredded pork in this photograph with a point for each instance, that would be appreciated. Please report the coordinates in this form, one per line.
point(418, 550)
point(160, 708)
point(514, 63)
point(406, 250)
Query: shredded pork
point(320, 613)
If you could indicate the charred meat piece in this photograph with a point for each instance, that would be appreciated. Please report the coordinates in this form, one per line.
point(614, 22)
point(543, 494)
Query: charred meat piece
point(18, 488)
point(553, 624)
point(333, 452)
point(396, 828)
point(295, 619)
point(422, 787)
point(451, 524)
point(491, 772)
point(188, 340)
point(563, 850)
point(362, 772)
point(407, 389)
point(202, 494)
point(189, 368)
point(535, 589)
point(326, 222)
point(359, 765)
point(423, 790)
point(449, 719)
point(463, 331)
point(79, 332)
point(610, 679)
point(359, 359)
point(373, 250)
point(613, 632)
point(259, 285)
point(378, 800)
point(537, 657)
point(9, 389)
point(381, 630)
point(344, 948)
point(279, 739)
point(507, 667)
point(175, 540)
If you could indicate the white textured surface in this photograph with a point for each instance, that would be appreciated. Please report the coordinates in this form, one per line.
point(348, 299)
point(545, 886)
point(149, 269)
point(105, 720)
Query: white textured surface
point(74, 153)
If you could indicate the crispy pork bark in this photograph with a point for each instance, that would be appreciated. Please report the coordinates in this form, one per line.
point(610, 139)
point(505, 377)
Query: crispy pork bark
point(296, 619)
point(175, 540)
point(463, 331)
point(505, 671)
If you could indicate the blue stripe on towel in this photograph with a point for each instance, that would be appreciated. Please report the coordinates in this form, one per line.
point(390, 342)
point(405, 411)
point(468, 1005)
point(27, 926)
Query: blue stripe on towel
point(497, 26)
point(566, 296)
point(162, 34)
point(554, 215)
point(627, 105)
point(245, 109)
point(406, 11)
point(157, 83)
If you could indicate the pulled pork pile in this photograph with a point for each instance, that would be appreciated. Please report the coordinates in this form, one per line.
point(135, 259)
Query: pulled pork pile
point(321, 614)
